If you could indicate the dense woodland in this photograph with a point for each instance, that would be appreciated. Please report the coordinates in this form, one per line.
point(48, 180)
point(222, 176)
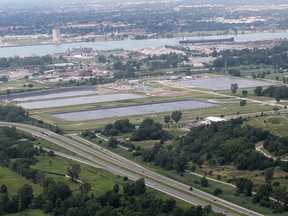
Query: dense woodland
point(219, 144)
point(13, 114)
point(18, 114)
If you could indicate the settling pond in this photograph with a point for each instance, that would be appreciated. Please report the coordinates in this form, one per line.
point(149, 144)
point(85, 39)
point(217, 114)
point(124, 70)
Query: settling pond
point(222, 83)
point(78, 101)
point(133, 110)
point(57, 95)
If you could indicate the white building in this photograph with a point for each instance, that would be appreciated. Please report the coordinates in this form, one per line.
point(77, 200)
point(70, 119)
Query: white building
point(56, 35)
point(214, 119)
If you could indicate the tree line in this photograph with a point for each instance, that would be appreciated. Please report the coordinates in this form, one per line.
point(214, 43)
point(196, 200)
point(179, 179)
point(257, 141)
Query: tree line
point(26, 61)
point(276, 56)
point(277, 92)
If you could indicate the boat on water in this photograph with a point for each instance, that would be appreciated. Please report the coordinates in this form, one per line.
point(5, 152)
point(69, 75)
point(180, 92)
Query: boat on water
point(198, 41)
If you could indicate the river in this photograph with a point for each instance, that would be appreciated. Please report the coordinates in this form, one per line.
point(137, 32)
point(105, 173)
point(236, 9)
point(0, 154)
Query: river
point(127, 44)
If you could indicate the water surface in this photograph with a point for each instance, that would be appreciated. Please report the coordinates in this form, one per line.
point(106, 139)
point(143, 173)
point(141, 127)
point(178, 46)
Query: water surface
point(133, 110)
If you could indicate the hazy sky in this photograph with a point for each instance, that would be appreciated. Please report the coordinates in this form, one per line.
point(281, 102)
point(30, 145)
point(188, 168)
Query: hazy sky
point(37, 2)
point(25, 3)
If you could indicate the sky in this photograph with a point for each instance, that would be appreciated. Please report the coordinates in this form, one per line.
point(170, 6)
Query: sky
point(25, 3)
point(36, 2)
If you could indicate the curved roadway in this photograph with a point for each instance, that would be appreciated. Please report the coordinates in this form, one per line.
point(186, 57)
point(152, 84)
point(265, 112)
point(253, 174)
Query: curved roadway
point(121, 166)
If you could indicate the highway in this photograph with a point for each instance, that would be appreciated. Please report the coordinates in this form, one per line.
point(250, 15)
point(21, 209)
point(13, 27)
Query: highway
point(116, 164)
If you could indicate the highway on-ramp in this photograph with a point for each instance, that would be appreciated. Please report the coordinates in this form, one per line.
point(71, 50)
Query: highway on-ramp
point(121, 166)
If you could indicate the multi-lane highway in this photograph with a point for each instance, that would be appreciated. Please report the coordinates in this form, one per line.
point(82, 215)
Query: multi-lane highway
point(97, 156)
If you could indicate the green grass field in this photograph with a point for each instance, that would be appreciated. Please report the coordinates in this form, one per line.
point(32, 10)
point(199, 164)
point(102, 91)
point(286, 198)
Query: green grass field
point(14, 181)
point(277, 124)
point(100, 180)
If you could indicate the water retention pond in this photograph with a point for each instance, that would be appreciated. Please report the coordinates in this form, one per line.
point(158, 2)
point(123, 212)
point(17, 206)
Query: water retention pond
point(86, 115)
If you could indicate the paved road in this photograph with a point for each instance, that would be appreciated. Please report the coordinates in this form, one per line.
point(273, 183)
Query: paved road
point(121, 166)
point(261, 149)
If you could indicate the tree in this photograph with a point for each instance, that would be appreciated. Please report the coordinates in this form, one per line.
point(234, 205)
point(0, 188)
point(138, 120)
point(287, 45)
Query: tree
point(180, 163)
point(26, 77)
point(176, 116)
point(140, 186)
point(269, 174)
point(74, 171)
point(204, 182)
point(217, 191)
point(244, 186)
point(84, 189)
point(3, 189)
point(118, 65)
point(114, 200)
point(263, 191)
point(13, 205)
point(74, 211)
point(113, 142)
point(258, 91)
point(102, 59)
point(30, 85)
point(116, 188)
point(25, 194)
point(4, 79)
point(278, 95)
point(242, 102)
point(245, 93)
point(167, 119)
point(234, 88)
point(234, 72)
point(275, 109)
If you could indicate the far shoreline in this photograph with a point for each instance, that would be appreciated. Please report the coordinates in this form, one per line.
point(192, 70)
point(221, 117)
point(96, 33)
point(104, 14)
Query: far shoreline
point(207, 34)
